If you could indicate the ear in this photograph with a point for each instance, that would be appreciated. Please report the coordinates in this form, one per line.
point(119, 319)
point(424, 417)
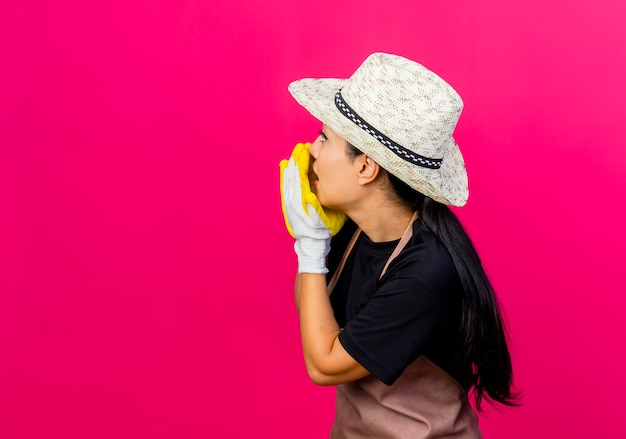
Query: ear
point(368, 169)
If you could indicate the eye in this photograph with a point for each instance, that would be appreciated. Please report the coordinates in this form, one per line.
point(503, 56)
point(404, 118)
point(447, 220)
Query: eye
point(323, 136)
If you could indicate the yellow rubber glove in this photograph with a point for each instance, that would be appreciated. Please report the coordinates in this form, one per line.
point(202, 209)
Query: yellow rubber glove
point(332, 219)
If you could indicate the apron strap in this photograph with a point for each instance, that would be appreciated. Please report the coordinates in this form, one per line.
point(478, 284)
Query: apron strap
point(406, 236)
point(344, 258)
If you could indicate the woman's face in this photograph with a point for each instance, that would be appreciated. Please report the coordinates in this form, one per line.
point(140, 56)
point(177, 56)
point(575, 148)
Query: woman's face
point(335, 170)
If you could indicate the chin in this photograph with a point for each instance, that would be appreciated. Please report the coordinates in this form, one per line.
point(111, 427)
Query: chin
point(325, 202)
point(322, 201)
point(328, 205)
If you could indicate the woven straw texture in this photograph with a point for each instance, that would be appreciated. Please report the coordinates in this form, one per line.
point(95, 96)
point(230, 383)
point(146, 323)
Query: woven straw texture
point(408, 104)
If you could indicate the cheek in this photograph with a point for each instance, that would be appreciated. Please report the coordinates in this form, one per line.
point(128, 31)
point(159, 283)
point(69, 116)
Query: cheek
point(330, 184)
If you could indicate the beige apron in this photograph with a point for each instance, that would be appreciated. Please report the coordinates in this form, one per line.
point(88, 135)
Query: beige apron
point(424, 402)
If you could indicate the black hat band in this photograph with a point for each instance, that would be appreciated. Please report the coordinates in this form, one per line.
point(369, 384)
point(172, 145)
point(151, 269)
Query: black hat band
point(398, 150)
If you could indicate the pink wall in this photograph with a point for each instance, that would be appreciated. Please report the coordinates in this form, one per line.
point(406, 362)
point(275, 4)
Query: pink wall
point(145, 272)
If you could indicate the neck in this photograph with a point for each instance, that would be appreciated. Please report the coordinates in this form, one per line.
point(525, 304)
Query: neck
point(383, 224)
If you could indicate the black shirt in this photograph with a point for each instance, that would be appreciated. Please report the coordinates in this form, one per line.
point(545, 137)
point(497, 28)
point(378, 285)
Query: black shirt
point(413, 310)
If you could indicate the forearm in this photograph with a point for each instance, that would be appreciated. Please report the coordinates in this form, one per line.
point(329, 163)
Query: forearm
point(297, 291)
point(326, 360)
point(318, 326)
point(317, 319)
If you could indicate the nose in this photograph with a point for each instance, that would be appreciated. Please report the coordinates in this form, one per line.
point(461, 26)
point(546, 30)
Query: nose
point(314, 149)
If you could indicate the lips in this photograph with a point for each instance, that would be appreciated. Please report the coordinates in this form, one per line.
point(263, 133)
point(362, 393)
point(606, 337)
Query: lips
point(313, 180)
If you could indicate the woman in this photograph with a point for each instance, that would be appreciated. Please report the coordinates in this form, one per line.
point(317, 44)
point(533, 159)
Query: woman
point(408, 323)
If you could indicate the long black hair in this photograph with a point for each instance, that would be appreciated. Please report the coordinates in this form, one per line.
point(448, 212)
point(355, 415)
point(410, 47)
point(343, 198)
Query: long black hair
point(483, 361)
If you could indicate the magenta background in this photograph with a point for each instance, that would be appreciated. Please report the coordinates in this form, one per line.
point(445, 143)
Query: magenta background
point(145, 275)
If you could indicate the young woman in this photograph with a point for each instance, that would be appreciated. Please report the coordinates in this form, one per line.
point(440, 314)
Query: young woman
point(396, 309)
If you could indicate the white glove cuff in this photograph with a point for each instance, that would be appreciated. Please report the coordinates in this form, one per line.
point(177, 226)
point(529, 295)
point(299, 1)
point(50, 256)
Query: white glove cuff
point(312, 255)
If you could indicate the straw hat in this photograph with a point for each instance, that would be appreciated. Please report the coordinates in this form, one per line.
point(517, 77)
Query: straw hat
point(400, 114)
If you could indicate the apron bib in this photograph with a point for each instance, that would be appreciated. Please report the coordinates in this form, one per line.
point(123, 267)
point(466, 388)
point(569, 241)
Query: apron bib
point(424, 402)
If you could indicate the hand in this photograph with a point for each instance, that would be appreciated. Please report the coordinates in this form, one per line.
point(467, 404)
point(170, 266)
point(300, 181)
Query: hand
point(305, 218)
point(333, 219)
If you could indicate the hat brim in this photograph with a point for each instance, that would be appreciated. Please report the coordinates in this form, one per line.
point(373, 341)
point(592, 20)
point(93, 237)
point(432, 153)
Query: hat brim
point(447, 185)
